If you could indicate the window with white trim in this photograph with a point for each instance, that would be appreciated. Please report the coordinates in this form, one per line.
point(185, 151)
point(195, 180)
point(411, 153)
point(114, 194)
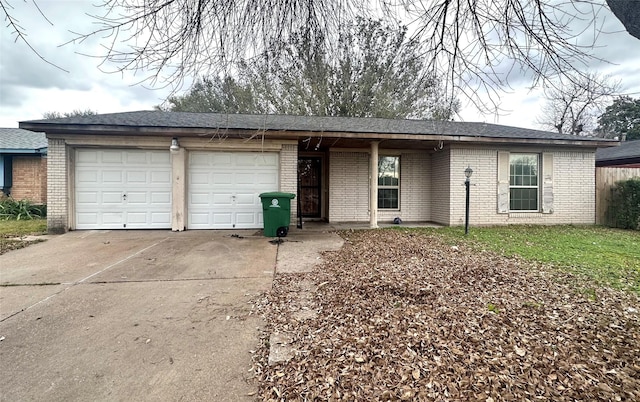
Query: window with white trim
point(524, 182)
point(389, 182)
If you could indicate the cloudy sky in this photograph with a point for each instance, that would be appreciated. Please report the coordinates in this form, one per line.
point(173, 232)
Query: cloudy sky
point(30, 87)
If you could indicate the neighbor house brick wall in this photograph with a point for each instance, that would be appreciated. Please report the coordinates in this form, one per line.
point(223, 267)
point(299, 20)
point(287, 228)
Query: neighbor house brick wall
point(30, 179)
point(440, 186)
point(415, 188)
point(57, 197)
point(289, 174)
point(573, 187)
point(349, 186)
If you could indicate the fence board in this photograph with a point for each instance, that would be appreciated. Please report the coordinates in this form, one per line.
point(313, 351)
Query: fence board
point(606, 178)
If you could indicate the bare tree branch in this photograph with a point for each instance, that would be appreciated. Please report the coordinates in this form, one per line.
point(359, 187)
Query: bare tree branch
point(573, 105)
point(482, 46)
point(20, 34)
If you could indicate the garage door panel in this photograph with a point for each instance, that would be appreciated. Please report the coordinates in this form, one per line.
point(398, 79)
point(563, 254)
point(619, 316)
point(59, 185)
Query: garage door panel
point(200, 219)
point(137, 157)
point(221, 200)
point(88, 176)
point(222, 179)
point(87, 197)
point(87, 157)
point(111, 197)
point(113, 218)
point(247, 200)
point(266, 180)
point(137, 198)
point(245, 178)
point(161, 197)
point(118, 189)
point(161, 218)
point(111, 177)
point(246, 218)
point(114, 157)
point(161, 177)
point(233, 183)
point(87, 218)
point(198, 178)
point(221, 219)
point(220, 159)
point(139, 177)
point(136, 218)
point(200, 199)
point(160, 158)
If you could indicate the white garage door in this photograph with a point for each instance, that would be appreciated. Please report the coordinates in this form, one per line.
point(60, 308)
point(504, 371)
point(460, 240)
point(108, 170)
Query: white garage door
point(224, 188)
point(122, 189)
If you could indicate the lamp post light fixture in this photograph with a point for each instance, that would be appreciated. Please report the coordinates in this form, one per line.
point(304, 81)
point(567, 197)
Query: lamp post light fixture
point(467, 184)
point(175, 147)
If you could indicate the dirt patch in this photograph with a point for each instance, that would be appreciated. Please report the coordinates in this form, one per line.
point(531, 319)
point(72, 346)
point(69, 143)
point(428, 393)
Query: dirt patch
point(400, 316)
point(7, 245)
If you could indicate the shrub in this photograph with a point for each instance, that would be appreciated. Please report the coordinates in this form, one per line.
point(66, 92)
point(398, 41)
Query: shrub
point(626, 204)
point(21, 210)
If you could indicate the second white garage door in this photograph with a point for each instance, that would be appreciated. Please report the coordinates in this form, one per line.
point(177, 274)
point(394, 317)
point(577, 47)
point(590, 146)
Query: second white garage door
point(224, 188)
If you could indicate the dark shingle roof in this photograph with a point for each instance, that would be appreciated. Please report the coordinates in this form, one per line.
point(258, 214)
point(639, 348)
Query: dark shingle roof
point(628, 150)
point(182, 120)
point(17, 139)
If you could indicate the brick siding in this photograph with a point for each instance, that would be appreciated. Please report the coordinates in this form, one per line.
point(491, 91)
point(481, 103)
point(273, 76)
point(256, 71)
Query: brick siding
point(57, 197)
point(440, 186)
point(573, 188)
point(30, 179)
point(415, 189)
point(349, 186)
point(289, 175)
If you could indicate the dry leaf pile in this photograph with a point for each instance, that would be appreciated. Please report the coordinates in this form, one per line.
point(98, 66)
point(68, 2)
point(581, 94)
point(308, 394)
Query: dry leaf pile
point(402, 316)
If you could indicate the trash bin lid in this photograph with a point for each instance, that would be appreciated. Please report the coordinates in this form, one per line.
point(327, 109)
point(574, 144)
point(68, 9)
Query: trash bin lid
point(277, 194)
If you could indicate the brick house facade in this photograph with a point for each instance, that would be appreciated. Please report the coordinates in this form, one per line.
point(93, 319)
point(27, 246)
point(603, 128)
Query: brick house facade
point(520, 176)
point(30, 179)
point(23, 165)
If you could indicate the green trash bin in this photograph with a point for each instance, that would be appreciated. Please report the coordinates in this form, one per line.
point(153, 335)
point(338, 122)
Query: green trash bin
point(276, 208)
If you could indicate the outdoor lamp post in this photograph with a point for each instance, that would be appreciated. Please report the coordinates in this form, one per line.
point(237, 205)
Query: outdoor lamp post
point(467, 183)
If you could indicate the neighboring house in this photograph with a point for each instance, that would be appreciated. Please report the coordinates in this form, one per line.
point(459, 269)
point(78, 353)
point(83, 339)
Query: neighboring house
point(117, 171)
point(23, 165)
point(627, 155)
point(614, 165)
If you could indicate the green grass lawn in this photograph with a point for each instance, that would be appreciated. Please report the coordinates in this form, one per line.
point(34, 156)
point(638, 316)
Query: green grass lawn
point(11, 229)
point(607, 256)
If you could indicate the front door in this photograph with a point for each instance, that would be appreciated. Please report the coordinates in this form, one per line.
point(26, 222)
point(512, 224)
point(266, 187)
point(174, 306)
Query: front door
point(310, 186)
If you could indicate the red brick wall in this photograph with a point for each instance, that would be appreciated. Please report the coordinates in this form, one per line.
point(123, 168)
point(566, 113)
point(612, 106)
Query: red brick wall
point(30, 179)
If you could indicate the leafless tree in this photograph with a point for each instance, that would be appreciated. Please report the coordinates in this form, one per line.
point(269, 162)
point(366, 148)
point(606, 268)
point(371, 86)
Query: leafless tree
point(574, 104)
point(478, 44)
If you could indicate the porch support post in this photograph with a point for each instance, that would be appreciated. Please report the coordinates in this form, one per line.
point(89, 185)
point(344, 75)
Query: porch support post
point(373, 185)
point(179, 188)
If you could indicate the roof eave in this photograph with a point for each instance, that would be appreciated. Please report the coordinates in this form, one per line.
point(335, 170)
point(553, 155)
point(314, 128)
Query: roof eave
point(36, 151)
point(78, 129)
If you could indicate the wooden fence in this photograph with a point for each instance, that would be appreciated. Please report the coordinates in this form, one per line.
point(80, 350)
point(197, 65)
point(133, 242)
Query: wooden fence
point(606, 178)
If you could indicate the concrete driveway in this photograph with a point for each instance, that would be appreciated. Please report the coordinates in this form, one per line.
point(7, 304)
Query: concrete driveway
point(132, 315)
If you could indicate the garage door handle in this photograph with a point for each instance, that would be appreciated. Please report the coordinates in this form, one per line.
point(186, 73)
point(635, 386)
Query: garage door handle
point(124, 197)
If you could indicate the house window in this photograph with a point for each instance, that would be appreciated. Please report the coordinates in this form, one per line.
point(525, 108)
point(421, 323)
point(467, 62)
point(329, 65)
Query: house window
point(388, 182)
point(523, 182)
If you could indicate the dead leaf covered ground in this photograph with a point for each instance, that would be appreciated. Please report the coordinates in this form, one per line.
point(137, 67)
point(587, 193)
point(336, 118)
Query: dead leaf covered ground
point(404, 316)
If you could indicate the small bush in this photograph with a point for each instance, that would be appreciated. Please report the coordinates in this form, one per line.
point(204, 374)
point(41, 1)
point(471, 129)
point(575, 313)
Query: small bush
point(11, 209)
point(626, 204)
